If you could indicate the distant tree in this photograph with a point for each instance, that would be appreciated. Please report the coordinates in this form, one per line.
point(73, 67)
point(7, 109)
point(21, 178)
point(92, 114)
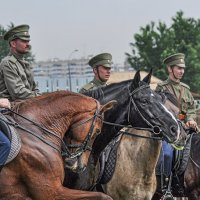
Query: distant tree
point(154, 43)
point(4, 46)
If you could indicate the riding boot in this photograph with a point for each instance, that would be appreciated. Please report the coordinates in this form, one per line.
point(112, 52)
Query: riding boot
point(167, 195)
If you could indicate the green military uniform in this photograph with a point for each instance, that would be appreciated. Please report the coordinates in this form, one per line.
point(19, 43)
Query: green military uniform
point(94, 84)
point(179, 89)
point(104, 59)
point(186, 100)
point(16, 78)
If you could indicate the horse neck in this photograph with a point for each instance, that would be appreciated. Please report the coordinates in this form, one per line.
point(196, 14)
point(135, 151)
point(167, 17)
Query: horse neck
point(119, 116)
point(54, 116)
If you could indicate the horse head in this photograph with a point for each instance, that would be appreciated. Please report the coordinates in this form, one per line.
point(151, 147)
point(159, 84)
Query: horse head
point(80, 145)
point(171, 103)
point(147, 110)
point(69, 127)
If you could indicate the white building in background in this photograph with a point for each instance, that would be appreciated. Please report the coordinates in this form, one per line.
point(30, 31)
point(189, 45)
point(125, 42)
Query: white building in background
point(71, 74)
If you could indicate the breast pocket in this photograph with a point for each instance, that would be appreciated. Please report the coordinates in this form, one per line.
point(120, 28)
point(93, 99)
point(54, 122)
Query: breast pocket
point(185, 105)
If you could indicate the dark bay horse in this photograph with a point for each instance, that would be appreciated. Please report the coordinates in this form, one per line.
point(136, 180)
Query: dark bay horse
point(37, 172)
point(134, 177)
point(136, 159)
point(137, 106)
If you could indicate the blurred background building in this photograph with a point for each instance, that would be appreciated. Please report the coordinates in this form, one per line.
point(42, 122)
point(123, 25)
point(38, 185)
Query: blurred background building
point(69, 74)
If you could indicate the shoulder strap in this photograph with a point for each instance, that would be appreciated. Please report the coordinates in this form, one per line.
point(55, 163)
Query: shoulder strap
point(12, 59)
point(88, 86)
point(185, 85)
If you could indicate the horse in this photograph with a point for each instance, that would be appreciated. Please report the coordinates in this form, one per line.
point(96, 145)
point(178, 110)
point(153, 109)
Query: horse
point(186, 185)
point(37, 171)
point(137, 155)
point(185, 179)
point(137, 106)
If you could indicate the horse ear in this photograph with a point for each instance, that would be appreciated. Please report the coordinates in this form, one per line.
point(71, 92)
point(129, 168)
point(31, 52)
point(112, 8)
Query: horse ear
point(147, 79)
point(136, 80)
point(107, 106)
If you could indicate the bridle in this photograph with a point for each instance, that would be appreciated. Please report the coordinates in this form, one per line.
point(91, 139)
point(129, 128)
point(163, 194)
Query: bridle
point(156, 130)
point(65, 147)
point(80, 148)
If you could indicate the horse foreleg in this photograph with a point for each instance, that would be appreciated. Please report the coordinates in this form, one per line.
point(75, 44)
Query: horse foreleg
point(70, 194)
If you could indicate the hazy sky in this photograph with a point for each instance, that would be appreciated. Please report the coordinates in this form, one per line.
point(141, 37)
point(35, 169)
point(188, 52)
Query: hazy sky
point(58, 27)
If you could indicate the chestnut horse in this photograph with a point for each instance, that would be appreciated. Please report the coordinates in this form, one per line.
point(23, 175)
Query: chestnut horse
point(38, 172)
point(137, 106)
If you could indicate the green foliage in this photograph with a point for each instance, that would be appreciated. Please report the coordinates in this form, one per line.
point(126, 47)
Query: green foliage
point(4, 46)
point(155, 42)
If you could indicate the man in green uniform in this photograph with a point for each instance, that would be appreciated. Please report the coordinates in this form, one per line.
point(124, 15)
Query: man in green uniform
point(187, 114)
point(101, 65)
point(16, 78)
point(176, 68)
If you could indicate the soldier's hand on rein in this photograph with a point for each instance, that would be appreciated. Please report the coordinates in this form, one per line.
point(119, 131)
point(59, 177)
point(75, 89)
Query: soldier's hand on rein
point(5, 103)
point(191, 124)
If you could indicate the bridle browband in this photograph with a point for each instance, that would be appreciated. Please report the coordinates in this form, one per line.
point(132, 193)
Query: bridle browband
point(156, 130)
point(65, 147)
point(84, 146)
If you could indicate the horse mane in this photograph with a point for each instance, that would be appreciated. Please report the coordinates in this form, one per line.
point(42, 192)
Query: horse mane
point(99, 92)
point(45, 99)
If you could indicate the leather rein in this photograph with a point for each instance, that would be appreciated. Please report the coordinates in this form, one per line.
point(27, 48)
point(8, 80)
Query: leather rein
point(156, 130)
point(64, 150)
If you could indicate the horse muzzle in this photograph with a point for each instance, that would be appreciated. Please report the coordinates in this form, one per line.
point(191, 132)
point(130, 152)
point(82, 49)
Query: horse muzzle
point(74, 164)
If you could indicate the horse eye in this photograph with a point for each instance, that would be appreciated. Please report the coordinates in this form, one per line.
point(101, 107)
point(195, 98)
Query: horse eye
point(144, 101)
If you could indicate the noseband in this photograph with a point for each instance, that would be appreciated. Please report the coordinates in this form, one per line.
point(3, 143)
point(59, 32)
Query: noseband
point(85, 145)
point(154, 129)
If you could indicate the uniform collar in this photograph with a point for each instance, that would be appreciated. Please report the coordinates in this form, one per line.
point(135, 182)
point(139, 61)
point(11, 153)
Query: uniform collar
point(98, 82)
point(18, 56)
point(172, 82)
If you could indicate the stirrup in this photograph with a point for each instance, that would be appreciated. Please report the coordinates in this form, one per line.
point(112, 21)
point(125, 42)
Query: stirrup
point(168, 196)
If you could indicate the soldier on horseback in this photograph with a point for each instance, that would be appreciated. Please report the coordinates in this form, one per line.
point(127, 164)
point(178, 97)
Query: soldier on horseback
point(101, 65)
point(176, 67)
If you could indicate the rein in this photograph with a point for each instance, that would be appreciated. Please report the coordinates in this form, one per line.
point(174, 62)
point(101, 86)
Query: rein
point(84, 146)
point(140, 136)
point(65, 149)
point(16, 125)
point(153, 129)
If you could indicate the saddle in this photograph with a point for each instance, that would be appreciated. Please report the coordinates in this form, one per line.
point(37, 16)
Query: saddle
point(108, 160)
point(6, 126)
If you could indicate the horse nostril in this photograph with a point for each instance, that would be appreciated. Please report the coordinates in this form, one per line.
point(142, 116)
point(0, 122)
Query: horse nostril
point(173, 129)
